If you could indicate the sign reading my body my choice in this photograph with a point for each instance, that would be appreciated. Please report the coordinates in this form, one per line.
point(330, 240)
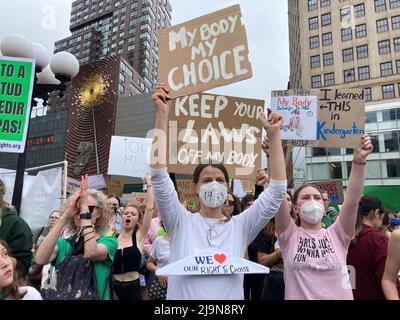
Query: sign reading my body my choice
point(16, 86)
point(204, 53)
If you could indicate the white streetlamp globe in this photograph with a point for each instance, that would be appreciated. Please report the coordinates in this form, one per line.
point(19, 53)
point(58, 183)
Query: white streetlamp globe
point(41, 55)
point(47, 77)
point(64, 64)
point(17, 45)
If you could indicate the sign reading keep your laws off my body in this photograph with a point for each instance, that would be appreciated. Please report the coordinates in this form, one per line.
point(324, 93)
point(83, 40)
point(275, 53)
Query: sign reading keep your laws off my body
point(204, 53)
point(205, 127)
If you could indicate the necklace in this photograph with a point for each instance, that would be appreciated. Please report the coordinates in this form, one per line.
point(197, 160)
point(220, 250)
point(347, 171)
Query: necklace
point(211, 230)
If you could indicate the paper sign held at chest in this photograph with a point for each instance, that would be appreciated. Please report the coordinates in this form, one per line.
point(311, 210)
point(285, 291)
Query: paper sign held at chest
point(211, 262)
point(204, 53)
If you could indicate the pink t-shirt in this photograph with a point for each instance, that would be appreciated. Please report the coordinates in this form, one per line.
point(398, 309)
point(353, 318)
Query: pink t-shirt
point(315, 263)
point(151, 235)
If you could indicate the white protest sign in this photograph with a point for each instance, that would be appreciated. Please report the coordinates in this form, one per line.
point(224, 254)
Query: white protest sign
point(300, 116)
point(238, 188)
point(129, 156)
point(97, 182)
point(72, 185)
point(211, 262)
point(40, 197)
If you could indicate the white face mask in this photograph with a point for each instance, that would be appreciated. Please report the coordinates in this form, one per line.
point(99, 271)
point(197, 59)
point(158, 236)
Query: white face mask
point(213, 194)
point(312, 211)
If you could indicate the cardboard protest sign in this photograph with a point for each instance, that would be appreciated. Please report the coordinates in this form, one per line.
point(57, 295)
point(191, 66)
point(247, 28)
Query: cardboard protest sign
point(129, 156)
point(211, 262)
point(138, 198)
point(300, 115)
point(186, 190)
point(204, 53)
point(113, 186)
point(16, 87)
point(341, 122)
point(333, 187)
point(221, 128)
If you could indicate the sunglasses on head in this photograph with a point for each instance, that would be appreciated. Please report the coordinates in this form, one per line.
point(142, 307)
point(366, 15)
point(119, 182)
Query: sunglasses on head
point(229, 203)
point(91, 208)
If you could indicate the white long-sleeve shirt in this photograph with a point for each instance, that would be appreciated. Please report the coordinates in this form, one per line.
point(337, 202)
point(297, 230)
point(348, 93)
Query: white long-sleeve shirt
point(188, 235)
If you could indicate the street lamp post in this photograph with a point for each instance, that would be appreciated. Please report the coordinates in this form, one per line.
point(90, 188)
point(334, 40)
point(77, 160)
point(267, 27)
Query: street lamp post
point(50, 75)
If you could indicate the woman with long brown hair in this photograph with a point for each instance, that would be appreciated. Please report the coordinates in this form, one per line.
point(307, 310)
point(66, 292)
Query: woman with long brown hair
point(10, 288)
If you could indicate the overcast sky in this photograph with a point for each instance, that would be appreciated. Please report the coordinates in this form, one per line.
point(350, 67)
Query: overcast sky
point(47, 21)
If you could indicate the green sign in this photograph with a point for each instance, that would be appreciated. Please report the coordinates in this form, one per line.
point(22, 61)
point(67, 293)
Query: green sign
point(16, 86)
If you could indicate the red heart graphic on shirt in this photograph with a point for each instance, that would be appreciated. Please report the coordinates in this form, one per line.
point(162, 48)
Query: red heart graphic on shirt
point(220, 257)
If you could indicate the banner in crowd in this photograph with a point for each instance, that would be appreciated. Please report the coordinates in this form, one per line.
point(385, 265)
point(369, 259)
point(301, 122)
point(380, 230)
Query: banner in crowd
point(222, 128)
point(333, 187)
point(186, 191)
point(113, 186)
point(129, 156)
point(138, 198)
point(95, 182)
point(211, 262)
point(41, 194)
point(16, 86)
point(300, 116)
point(204, 53)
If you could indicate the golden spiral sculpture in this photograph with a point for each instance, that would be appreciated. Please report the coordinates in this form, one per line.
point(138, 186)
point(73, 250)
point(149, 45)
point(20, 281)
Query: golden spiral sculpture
point(93, 91)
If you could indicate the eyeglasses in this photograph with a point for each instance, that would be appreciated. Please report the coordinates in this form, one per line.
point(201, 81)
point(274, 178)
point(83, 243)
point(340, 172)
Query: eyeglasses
point(229, 203)
point(91, 208)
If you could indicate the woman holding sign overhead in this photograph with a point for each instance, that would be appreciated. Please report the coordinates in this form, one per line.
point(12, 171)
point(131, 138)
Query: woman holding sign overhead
point(209, 230)
point(315, 258)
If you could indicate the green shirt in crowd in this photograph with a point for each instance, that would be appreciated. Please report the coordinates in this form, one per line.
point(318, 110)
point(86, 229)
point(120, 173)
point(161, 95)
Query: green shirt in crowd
point(327, 221)
point(102, 268)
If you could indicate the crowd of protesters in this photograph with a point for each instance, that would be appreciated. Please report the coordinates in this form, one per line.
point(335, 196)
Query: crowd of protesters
point(97, 249)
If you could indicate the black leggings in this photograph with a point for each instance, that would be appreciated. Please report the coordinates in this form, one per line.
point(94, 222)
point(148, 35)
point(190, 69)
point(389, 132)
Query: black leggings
point(127, 290)
point(274, 286)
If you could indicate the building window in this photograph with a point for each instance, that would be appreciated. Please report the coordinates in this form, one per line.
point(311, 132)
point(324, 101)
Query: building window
point(396, 22)
point(386, 69)
point(345, 13)
point(367, 94)
point(362, 51)
point(388, 91)
point(382, 25)
point(347, 54)
point(393, 168)
point(329, 79)
point(398, 66)
point(313, 23)
point(319, 152)
point(327, 39)
point(361, 30)
point(359, 10)
point(370, 117)
point(391, 141)
point(312, 5)
point(349, 75)
point(347, 34)
point(380, 5)
point(335, 170)
point(396, 42)
point(315, 61)
point(314, 42)
point(326, 19)
point(328, 59)
point(319, 171)
point(389, 115)
point(316, 81)
point(325, 3)
point(363, 73)
point(384, 46)
point(394, 3)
